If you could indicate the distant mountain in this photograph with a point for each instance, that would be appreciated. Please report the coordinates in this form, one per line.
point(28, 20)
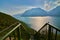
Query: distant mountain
point(55, 12)
point(35, 12)
point(39, 12)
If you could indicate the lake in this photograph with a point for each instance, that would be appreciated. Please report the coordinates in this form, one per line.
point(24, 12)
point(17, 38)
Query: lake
point(37, 22)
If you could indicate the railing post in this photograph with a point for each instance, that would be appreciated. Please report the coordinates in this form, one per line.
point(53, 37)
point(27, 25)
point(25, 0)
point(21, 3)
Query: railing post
point(14, 35)
point(49, 32)
point(52, 34)
point(56, 35)
point(9, 37)
point(18, 33)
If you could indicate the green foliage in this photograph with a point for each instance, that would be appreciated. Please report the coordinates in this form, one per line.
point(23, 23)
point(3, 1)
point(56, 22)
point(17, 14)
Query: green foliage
point(7, 20)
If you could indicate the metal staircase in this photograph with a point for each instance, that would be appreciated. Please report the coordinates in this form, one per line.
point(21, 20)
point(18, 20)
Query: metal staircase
point(7, 31)
point(18, 32)
point(48, 32)
point(13, 32)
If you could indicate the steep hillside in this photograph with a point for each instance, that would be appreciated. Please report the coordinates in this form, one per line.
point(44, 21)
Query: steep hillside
point(7, 20)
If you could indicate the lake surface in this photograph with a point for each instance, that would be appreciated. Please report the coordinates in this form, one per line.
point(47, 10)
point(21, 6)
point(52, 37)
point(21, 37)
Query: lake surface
point(37, 22)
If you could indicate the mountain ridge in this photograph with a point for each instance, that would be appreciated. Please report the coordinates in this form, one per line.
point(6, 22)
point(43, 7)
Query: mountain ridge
point(39, 12)
point(33, 12)
point(55, 11)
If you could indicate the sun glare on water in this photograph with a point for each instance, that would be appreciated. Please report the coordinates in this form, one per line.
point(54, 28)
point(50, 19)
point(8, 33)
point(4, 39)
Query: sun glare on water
point(38, 22)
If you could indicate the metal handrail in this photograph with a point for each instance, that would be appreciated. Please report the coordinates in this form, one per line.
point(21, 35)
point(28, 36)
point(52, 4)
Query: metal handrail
point(7, 28)
point(11, 31)
point(54, 27)
point(51, 26)
point(49, 31)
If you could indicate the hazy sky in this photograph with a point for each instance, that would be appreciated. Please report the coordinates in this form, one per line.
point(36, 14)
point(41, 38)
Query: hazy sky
point(13, 7)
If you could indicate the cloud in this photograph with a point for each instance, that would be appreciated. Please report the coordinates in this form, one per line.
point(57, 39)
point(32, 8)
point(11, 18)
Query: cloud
point(50, 5)
point(20, 6)
point(16, 9)
point(22, 9)
point(47, 5)
point(57, 2)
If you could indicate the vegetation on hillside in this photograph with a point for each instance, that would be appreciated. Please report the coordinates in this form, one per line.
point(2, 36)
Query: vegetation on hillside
point(7, 20)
